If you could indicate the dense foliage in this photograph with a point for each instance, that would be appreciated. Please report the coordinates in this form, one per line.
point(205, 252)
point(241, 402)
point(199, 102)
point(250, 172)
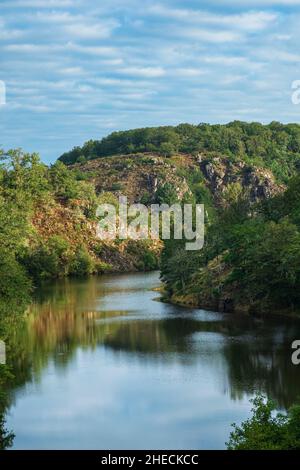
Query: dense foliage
point(26, 184)
point(275, 146)
point(251, 255)
point(267, 430)
point(62, 241)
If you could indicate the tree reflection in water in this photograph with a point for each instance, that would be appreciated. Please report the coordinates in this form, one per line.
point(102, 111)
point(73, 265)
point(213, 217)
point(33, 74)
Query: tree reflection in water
point(249, 355)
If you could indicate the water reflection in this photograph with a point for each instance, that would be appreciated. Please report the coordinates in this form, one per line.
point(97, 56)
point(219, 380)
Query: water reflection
point(197, 369)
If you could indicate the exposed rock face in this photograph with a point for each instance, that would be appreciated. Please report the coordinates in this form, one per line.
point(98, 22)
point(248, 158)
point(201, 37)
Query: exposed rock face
point(220, 172)
point(139, 176)
point(152, 184)
point(56, 219)
point(136, 176)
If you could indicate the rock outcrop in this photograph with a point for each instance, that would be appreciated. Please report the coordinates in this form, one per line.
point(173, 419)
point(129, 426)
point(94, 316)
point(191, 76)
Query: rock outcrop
point(219, 172)
point(139, 176)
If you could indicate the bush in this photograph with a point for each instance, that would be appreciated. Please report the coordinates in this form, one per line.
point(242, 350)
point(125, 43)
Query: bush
point(145, 258)
point(167, 149)
point(116, 187)
point(146, 198)
point(150, 261)
point(103, 268)
point(266, 430)
point(48, 260)
point(82, 263)
point(166, 194)
point(63, 182)
point(14, 283)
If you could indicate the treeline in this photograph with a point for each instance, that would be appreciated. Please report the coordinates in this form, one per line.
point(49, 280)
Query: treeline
point(48, 227)
point(26, 257)
point(250, 260)
point(267, 429)
point(25, 185)
point(275, 146)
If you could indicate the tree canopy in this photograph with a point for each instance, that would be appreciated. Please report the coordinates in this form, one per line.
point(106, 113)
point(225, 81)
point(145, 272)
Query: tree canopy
point(275, 146)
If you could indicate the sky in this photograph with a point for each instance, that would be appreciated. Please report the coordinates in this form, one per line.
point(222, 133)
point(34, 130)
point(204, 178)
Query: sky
point(76, 70)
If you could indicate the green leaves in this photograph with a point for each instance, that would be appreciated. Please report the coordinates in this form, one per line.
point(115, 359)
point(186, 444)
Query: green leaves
point(274, 146)
point(251, 254)
point(267, 430)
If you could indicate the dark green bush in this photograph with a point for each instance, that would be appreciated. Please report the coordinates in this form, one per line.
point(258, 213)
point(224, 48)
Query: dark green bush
point(82, 263)
point(267, 430)
point(47, 260)
point(14, 283)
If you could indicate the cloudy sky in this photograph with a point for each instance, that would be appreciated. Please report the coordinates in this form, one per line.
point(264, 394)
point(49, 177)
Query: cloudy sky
point(79, 69)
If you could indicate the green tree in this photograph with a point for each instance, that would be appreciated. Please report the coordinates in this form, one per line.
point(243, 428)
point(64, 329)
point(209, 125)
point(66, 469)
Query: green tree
point(82, 264)
point(62, 181)
point(166, 194)
point(267, 430)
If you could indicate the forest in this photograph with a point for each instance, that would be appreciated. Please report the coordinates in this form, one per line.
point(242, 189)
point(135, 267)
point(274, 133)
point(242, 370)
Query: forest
point(275, 146)
point(251, 255)
point(251, 258)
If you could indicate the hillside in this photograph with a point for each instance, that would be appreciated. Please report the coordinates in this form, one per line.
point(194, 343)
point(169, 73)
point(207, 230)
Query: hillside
point(274, 146)
point(51, 229)
point(48, 228)
point(151, 178)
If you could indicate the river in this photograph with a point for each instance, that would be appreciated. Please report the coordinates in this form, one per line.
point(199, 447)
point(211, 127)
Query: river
point(101, 364)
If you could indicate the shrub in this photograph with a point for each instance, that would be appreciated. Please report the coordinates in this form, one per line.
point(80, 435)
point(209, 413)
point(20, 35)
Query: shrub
point(48, 260)
point(14, 283)
point(82, 263)
point(145, 258)
point(103, 268)
point(167, 194)
point(150, 261)
point(146, 198)
point(116, 187)
point(266, 430)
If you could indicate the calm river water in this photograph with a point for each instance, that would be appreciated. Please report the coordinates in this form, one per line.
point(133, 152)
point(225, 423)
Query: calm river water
point(99, 364)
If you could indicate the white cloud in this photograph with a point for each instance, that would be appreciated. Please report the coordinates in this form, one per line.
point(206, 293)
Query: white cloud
point(282, 37)
point(110, 61)
point(72, 71)
point(93, 50)
point(239, 63)
point(148, 72)
point(249, 21)
point(38, 3)
point(91, 31)
point(250, 3)
point(271, 54)
point(226, 60)
point(7, 33)
point(69, 46)
point(129, 83)
point(26, 48)
point(285, 56)
point(85, 26)
point(56, 17)
point(30, 107)
point(188, 72)
point(231, 79)
point(208, 35)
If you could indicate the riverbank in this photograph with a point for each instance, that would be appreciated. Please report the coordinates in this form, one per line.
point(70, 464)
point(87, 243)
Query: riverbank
point(225, 306)
point(148, 373)
point(194, 301)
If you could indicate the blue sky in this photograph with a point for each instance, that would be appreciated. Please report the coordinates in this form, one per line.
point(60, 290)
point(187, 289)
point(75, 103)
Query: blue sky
point(80, 69)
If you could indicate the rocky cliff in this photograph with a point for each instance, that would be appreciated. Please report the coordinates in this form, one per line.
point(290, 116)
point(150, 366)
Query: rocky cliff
point(140, 176)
